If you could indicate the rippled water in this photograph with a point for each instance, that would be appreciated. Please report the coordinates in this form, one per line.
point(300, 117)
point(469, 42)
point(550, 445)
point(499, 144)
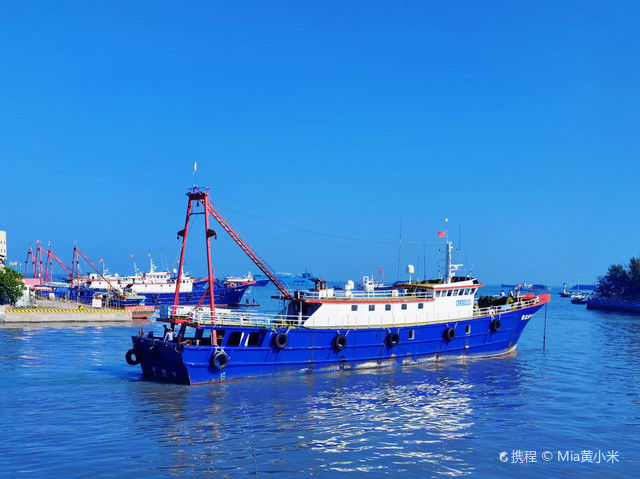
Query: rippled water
point(72, 407)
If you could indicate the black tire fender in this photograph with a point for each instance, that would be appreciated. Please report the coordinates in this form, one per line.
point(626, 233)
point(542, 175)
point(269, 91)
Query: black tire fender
point(132, 357)
point(449, 334)
point(339, 342)
point(392, 339)
point(280, 340)
point(219, 360)
point(496, 325)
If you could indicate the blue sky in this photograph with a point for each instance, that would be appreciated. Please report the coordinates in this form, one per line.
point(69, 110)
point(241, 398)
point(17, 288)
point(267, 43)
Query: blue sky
point(320, 126)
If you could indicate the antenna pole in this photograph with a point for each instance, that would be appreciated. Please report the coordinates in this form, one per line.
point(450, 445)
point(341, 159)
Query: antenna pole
point(399, 249)
point(424, 261)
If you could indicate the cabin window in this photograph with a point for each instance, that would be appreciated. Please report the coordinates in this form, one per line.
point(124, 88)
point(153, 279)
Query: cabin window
point(354, 307)
point(254, 339)
point(404, 306)
point(372, 307)
point(468, 329)
point(235, 338)
point(473, 290)
point(420, 305)
point(412, 334)
point(387, 307)
point(450, 292)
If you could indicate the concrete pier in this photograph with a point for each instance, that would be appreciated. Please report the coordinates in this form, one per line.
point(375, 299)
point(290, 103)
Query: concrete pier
point(49, 311)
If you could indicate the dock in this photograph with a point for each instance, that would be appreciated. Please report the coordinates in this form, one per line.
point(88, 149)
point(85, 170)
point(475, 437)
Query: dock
point(53, 311)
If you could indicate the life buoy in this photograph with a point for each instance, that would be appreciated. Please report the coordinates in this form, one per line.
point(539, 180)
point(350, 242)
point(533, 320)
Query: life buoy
point(449, 334)
point(496, 325)
point(153, 351)
point(219, 360)
point(132, 357)
point(179, 348)
point(281, 341)
point(392, 339)
point(340, 342)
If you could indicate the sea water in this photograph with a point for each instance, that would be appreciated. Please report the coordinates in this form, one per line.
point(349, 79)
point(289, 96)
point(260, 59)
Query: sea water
point(71, 407)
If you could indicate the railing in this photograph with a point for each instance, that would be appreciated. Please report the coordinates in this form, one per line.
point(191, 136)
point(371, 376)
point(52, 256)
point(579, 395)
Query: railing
point(497, 310)
point(225, 317)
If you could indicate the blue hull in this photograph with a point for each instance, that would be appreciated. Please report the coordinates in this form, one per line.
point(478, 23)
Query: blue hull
point(312, 350)
point(223, 295)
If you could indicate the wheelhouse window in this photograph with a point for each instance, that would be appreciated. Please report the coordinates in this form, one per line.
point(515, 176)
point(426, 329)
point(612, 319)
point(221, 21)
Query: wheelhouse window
point(450, 292)
point(235, 338)
point(254, 339)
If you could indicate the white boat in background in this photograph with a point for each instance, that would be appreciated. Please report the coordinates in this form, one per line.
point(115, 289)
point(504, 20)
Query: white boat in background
point(235, 280)
point(153, 282)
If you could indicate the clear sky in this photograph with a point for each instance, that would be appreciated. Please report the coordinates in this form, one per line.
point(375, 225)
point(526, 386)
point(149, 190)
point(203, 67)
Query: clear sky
point(320, 126)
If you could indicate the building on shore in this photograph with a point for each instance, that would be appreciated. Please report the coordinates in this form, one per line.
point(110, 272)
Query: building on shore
point(3, 248)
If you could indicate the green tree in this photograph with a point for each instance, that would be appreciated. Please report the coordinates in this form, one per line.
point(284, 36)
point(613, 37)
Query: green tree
point(621, 282)
point(10, 285)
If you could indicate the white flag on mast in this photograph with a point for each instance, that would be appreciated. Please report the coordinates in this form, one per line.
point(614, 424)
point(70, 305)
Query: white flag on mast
point(195, 167)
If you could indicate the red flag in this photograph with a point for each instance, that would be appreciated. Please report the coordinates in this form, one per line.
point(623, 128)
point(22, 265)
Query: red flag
point(441, 234)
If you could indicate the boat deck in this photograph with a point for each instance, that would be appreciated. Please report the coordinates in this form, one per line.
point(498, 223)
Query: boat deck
point(201, 317)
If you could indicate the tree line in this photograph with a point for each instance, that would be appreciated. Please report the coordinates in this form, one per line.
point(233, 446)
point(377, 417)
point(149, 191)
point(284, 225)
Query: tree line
point(621, 282)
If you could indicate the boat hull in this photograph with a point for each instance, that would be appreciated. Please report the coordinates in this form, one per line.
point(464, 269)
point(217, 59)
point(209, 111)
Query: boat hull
point(223, 296)
point(313, 350)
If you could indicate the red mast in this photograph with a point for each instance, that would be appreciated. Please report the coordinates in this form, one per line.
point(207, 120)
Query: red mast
point(200, 196)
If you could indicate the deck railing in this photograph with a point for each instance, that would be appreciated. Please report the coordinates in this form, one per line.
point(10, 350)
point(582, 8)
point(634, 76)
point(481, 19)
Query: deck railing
point(227, 317)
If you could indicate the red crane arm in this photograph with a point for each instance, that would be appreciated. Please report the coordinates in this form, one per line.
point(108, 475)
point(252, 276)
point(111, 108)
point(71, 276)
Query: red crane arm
point(93, 266)
point(259, 262)
point(64, 266)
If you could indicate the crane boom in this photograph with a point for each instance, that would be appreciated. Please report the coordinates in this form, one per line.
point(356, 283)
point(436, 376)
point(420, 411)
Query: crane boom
point(259, 262)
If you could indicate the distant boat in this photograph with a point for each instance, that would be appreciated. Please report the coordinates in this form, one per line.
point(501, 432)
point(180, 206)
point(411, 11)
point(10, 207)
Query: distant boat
point(580, 298)
point(526, 288)
point(248, 279)
point(575, 289)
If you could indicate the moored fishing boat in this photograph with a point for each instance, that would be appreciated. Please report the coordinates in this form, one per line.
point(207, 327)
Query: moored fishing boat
point(325, 329)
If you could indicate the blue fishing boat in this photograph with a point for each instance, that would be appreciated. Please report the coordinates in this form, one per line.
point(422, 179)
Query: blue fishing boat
point(326, 329)
point(225, 294)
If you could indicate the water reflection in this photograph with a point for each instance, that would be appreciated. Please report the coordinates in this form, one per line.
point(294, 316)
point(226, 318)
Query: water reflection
point(409, 418)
